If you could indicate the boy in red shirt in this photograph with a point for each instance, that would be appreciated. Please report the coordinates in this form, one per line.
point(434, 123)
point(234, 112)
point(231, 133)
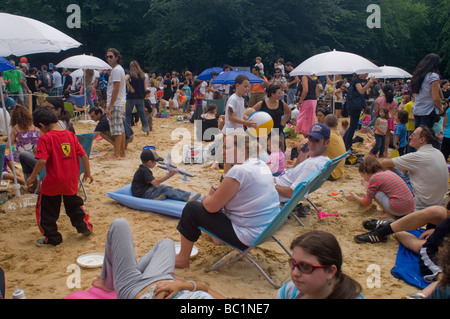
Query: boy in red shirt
point(58, 151)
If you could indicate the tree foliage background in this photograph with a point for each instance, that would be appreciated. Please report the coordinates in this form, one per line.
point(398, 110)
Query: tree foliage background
point(165, 35)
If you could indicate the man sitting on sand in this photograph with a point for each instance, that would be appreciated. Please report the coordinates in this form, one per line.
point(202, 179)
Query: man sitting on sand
point(428, 171)
point(102, 128)
point(309, 160)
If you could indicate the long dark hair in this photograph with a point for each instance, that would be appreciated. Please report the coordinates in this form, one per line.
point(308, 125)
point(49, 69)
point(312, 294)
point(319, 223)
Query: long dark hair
point(388, 91)
point(325, 247)
point(430, 63)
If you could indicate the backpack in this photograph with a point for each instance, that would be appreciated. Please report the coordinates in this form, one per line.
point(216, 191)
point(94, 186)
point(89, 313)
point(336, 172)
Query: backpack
point(47, 80)
point(103, 82)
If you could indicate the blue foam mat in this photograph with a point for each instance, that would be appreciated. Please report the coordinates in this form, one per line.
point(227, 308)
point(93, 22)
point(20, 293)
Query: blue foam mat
point(168, 207)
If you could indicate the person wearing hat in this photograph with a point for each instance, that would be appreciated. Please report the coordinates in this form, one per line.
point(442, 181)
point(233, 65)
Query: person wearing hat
point(145, 185)
point(312, 157)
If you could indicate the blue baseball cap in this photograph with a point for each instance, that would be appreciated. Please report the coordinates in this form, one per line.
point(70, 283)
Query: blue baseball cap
point(319, 131)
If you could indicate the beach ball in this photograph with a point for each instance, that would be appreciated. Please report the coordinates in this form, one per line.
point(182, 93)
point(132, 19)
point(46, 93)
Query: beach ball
point(179, 118)
point(264, 124)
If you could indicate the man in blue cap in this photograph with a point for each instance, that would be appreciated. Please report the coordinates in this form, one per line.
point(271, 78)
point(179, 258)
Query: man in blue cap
point(313, 157)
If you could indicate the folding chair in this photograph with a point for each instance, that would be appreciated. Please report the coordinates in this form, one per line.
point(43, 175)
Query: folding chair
point(368, 128)
point(69, 107)
point(80, 102)
point(324, 173)
point(300, 191)
point(86, 141)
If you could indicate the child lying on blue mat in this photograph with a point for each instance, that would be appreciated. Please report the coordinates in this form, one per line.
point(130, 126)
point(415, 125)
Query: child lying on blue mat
point(145, 185)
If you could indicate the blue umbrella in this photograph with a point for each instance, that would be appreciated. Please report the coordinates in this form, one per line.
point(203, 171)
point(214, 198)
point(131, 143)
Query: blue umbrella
point(230, 76)
point(5, 65)
point(206, 75)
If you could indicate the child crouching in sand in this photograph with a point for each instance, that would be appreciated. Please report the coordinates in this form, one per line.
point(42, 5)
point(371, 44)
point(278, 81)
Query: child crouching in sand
point(386, 188)
point(145, 185)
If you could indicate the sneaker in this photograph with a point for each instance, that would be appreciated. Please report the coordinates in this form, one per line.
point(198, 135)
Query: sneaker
point(371, 154)
point(87, 232)
point(372, 237)
point(302, 210)
point(160, 197)
point(382, 156)
point(418, 295)
point(194, 197)
point(372, 224)
point(41, 242)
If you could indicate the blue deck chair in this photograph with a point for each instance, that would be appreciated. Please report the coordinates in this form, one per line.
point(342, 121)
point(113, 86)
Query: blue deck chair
point(80, 102)
point(324, 174)
point(300, 191)
point(86, 141)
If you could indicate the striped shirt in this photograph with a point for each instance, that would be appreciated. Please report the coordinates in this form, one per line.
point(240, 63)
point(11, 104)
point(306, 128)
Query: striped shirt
point(401, 199)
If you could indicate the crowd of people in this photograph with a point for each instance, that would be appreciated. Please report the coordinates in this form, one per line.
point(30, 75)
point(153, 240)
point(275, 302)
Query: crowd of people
point(409, 117)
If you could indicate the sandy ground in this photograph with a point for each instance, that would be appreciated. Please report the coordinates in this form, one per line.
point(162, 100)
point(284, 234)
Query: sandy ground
point(47, 273)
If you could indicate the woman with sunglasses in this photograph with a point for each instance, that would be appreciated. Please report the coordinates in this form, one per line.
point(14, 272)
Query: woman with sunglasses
point(316, 270)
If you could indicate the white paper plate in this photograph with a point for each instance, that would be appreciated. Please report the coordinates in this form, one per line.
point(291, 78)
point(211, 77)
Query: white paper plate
point(194, 251)
point(92, 260)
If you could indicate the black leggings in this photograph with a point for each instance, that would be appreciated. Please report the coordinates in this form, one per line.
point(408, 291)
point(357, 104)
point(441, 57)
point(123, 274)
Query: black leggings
point(195, 215)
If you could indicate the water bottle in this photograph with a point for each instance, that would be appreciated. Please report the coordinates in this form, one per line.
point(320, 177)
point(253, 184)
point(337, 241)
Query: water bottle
point(19, 294)
point(441, 136)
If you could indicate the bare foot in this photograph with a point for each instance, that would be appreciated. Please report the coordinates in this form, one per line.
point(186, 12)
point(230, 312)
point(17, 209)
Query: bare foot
point(216, 241)
point(100, 283)
point(215, 166)
point(180, 263)
point(113, 158)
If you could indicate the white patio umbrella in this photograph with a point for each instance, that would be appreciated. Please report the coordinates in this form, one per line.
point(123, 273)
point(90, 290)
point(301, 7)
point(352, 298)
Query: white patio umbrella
point(335, 62)
point(79, 73)
point(391, 72)
point(83, 61)
point(21, 36)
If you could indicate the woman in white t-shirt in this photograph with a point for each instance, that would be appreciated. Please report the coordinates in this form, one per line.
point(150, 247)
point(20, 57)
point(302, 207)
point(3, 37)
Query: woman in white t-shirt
point(425, 86)
point(239, 209)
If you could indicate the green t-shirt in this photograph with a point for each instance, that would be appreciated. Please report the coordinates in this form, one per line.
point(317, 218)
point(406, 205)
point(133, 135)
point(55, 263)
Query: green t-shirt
point(14, 76)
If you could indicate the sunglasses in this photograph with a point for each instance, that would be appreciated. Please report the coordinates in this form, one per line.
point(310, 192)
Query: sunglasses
point(110, 56)
point(304, 267)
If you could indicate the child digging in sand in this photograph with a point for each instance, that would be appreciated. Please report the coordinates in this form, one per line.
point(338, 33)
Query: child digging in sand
point(386, 187)
point(145, 185)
